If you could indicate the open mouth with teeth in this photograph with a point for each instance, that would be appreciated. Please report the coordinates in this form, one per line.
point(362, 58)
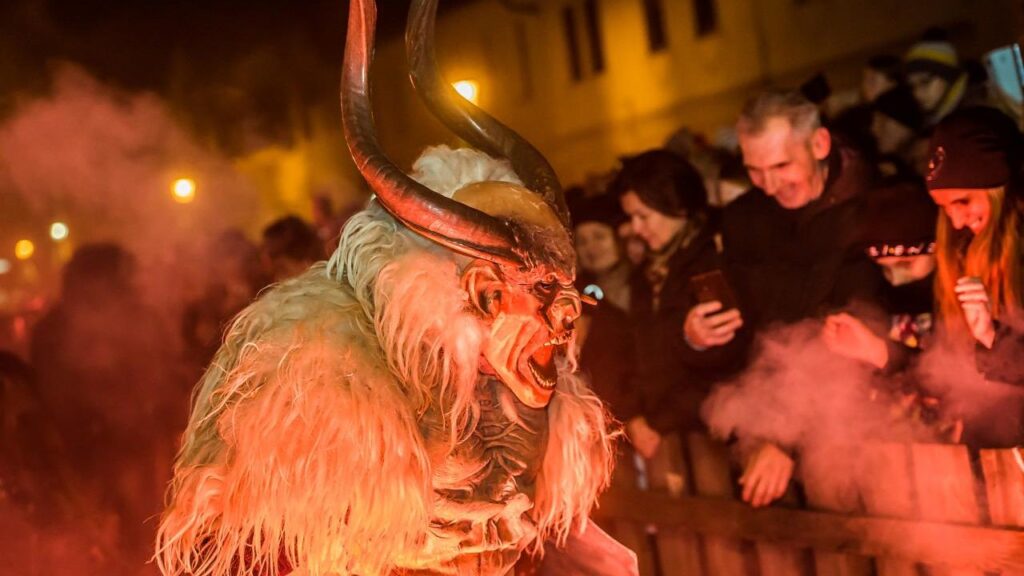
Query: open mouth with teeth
point(539, 370)
point(542, 361)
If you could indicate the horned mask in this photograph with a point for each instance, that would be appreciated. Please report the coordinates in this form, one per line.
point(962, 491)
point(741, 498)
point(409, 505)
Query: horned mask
point(521, 269)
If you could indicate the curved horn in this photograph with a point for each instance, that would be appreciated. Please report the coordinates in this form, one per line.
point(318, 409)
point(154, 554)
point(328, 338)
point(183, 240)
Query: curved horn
point(432, 215)
point(471, 123)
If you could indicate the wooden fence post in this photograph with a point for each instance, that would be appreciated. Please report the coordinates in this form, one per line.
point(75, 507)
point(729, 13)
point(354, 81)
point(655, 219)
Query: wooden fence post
point(887, 490)
point(678, 550)
point(1004, 488)
point(945, 490)
point(632, 535)
point(709, 463)
point(830, 489)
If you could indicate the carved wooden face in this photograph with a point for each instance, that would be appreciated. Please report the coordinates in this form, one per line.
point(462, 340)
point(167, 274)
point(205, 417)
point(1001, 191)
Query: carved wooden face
point(531, 319)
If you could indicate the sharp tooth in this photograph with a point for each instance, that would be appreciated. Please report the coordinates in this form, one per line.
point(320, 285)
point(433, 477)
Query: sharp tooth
point(541, 380)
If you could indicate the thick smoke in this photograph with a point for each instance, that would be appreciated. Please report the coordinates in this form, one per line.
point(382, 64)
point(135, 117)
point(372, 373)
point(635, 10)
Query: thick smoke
point(111, 384)
point(799, 395)
point(992, 411)
point(104, 161)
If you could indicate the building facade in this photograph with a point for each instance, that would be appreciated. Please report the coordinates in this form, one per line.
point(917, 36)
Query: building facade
point(588, 81)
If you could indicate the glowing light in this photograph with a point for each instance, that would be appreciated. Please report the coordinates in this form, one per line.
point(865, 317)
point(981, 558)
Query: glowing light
point(468, 89)
point(5, 265)
point(59, 231)
point(184, 190)
point(24, 249)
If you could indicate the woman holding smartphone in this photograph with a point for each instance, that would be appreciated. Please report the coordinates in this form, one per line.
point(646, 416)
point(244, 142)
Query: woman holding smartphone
point(664, 197)
point(974, 176)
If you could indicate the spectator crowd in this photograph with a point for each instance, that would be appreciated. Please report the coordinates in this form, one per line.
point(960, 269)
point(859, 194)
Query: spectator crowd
point(886, 231)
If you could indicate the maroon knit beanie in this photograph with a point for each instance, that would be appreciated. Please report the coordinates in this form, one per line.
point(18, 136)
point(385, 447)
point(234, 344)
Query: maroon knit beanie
point(973, 148)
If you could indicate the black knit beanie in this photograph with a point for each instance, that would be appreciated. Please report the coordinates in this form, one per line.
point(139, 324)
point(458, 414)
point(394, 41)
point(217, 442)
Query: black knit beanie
point(935, 57)
point(899, 104)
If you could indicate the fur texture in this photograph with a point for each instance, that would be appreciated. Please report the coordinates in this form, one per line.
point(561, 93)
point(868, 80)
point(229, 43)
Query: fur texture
point(338, 399)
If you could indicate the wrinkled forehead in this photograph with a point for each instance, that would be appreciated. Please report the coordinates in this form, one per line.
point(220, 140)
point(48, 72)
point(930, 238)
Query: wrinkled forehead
point(774, 144)
point(550, 252)
point(541, 275)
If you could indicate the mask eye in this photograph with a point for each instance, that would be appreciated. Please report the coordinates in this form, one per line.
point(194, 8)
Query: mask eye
point(546, 285)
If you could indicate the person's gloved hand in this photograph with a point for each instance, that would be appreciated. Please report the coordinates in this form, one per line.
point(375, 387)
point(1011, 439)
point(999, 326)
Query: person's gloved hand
point(977, 309)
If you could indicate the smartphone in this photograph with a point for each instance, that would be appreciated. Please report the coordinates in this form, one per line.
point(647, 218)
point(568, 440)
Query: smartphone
point(712, 286)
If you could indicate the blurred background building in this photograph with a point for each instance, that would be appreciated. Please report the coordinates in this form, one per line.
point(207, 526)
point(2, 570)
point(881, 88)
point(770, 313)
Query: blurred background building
point(590, 80)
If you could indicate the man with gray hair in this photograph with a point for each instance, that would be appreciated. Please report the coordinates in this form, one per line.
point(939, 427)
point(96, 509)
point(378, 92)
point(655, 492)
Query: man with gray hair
point(789, 243)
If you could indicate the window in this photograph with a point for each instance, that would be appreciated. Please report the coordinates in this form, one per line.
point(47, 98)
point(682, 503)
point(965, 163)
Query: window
point(593, 21)
point(705, 16)
point(522, 48)
point(655, 18)
point(572, 43)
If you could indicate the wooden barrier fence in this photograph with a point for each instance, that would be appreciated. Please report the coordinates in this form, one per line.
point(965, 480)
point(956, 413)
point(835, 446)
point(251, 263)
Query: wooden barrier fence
point(917, 509)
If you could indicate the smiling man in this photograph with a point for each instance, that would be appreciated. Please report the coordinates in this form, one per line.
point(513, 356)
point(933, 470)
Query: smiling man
point(790, 243)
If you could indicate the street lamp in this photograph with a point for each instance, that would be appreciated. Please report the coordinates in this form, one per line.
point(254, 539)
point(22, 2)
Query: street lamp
point(24, 249)
point(59, 231)
point(468, 89)
point(184, 190)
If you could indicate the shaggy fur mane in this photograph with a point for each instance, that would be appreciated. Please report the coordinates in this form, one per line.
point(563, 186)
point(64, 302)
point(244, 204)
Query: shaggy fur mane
point(308, 443)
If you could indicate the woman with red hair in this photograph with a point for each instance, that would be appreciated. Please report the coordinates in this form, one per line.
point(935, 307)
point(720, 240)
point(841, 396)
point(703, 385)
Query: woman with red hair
point(974, 176)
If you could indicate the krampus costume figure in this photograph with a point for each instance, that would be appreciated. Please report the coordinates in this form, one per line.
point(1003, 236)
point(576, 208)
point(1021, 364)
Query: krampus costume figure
point(409, 407)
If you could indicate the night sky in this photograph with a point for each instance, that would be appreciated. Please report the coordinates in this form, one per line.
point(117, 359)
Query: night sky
point(198, 54)
point(134, 42)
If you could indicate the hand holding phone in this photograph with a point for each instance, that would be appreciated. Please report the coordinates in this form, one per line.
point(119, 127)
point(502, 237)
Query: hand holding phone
point(713, 287)
point(716, 318)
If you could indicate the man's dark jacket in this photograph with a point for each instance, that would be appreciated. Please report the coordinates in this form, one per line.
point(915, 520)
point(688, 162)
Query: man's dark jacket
point(789, 265)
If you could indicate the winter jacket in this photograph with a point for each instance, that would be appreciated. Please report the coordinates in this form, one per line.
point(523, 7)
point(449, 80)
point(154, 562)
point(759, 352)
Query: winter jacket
point(607, 357)
point(1004, 362)
point(788, 265)
point(672, 379)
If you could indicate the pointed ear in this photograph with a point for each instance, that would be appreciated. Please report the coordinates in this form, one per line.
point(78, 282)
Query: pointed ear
point(487, 292)
point(821, 143)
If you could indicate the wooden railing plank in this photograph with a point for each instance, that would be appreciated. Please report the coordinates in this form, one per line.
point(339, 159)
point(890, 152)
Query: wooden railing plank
point(887, 490)
point(677, 548)
point(833, 490)
point(945, 490)
point(1004, 490)
point(1004, 486)
point(974, 547)
point(709, 462)
point(781, 560)
point(631, 534)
